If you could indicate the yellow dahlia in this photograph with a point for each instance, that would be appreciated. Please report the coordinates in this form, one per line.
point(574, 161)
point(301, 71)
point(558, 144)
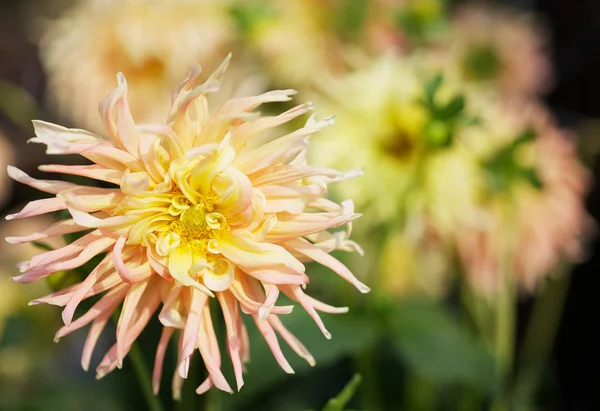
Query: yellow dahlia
point(194, 214)
point(148, 40)
point(382, 126)
point(295, 39)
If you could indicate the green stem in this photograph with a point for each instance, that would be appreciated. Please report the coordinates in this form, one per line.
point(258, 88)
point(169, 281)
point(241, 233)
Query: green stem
point(143, 376)
point(540, 336)
point(505, 324)
point(419, 393)
point(505, 320)
point(213, 400)
point(370, 396)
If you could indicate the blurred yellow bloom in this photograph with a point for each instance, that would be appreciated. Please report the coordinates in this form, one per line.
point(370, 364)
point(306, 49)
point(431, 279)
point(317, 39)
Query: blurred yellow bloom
point(148, 40)
point(295, 40)
point(380, 126)
point(421, 195)
point(193, 213)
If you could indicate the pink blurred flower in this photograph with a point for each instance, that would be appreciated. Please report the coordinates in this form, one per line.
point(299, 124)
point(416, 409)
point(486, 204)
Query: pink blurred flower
point(193, 214)
point(530, 228)
point(502, 46)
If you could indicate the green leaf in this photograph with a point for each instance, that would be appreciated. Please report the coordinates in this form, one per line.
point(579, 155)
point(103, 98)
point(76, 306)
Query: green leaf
point(247, 15)
point(452, 109)
point(339, 403)
point(526, 136)
point(352, 16)
point(438, 348)
point(431, 89)
point(349, 335)
point(42, 246)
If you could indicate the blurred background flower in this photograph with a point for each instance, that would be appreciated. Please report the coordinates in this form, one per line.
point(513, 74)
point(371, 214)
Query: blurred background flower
point(151, 42)
point(464, 117)
point(491, 44)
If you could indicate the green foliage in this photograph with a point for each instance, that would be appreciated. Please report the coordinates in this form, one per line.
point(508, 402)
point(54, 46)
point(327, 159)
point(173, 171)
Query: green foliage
point(42, 246)
point(351, 16)
point(437, 347)
point(248, 14)
point(503, 168)
point(444, 117)
point(482, 63)
point(421, 19)
point(339, 403)
point(349, 335)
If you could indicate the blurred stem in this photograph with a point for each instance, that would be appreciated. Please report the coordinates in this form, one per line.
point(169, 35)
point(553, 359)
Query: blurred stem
point(505, 318)
point(141, 371)
point(505, 324)
point(213, 400)
point(370, 395)
point(540, 336)
point(143, 376)
point(420, 395)
point(190, 401)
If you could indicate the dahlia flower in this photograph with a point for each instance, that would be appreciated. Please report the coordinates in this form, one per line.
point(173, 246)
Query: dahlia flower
point(502, 47)
point(148, 40)
point(294, 39)
point(380, 126)
point(534, 203)
point(416, 195)
point(193, 214)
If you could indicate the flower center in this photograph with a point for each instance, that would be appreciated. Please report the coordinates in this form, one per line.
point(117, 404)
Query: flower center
point(192, 224)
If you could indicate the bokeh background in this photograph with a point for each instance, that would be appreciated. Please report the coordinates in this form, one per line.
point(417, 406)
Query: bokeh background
point(477, 126)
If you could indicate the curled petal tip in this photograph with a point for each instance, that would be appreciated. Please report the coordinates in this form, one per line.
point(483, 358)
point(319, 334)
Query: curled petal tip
point(121, 79)
point(10, 217)
point(327, 334)
point(264, 311)
point(363, 288)
point(13, 171)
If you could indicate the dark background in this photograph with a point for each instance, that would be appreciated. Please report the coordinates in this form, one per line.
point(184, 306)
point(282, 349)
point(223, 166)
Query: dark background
point(575, 42)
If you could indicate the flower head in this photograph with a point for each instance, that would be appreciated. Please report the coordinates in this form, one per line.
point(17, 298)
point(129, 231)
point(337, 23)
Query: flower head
point(533, 212)
point(193, 214)
point(383, 127)
point(149, 41)
point(295, 39)
point(501, 47)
